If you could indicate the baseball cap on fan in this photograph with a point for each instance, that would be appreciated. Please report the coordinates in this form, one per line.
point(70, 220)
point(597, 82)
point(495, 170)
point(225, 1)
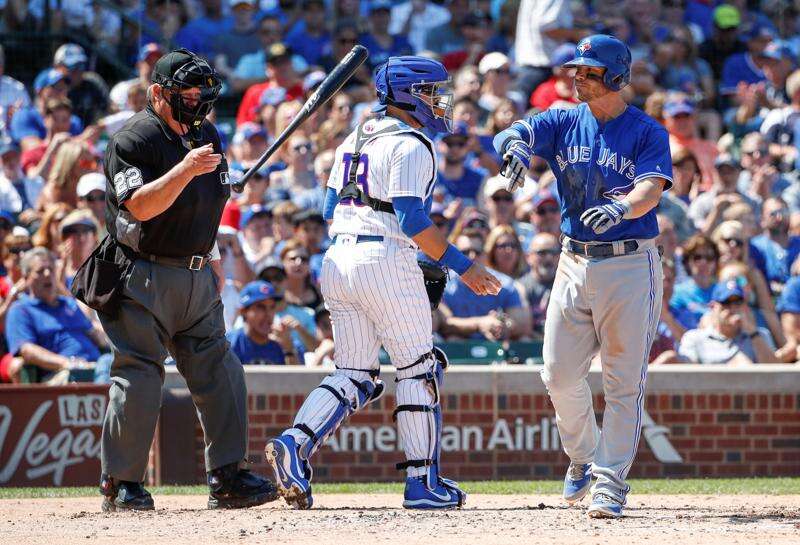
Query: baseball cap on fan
point(150, 52)
point(257, 291)
point(678, 106)
point(93, 181)
point(725, 292)
point(70, 55)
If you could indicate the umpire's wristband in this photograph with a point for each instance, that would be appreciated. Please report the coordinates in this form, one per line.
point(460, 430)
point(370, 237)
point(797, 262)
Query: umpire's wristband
point(455, 260)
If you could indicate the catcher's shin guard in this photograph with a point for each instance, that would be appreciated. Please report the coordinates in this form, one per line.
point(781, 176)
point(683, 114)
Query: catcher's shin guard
point(419, 415)
point(338, 396)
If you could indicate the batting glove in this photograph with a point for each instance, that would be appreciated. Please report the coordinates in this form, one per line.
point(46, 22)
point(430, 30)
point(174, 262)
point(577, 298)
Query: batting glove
point(516, 162)
point(602, 218)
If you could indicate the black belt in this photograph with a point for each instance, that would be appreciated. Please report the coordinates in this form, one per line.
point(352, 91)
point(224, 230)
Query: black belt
point(605, 249)
point(192, 262)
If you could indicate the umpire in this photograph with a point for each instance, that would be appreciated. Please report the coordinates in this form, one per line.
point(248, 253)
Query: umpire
point(168, 185)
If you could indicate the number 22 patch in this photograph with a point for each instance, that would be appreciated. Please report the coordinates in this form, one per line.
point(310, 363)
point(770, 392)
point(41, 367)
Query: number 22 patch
point(129, 179)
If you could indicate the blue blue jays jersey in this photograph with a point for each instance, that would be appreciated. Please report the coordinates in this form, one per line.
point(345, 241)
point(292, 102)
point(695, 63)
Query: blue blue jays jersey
point(595, 163)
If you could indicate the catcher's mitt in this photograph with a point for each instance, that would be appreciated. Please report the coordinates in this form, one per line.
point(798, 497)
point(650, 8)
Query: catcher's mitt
point(436, 278)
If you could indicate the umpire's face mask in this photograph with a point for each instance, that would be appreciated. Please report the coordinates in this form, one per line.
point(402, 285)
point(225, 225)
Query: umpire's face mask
point(190, 106)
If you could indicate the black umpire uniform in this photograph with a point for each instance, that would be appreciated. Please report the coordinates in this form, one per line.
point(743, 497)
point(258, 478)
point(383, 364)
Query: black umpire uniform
point(168, 300)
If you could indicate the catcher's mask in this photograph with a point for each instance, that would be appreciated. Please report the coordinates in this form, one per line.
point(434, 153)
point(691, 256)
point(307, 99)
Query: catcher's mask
point(180, 70)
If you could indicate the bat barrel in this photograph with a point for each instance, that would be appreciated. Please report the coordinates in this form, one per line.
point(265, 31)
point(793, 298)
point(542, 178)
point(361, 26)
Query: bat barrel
point(324, 92)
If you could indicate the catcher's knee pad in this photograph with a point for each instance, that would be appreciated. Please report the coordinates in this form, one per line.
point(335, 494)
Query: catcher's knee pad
point(419, 418)
point(338, 396)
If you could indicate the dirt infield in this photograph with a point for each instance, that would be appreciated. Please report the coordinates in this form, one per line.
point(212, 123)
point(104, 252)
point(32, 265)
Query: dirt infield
point(339, 519)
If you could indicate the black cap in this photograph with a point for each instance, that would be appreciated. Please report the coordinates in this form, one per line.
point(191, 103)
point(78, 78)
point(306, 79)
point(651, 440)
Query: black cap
point(477, 18)
point(278, 50)
point(307, 215)
point(168, 70)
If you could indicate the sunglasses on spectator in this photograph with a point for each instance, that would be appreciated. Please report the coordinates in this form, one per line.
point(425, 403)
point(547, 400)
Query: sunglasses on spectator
point(502, 198)
point(95, 198)
point(734, 302)
point(16, 250)
point(711, 258)
point(471, 252)
point(759, 152)
point(548, 251)
point(502, 71)
point(547, 210)
point(733, 241)
point(78, 230)
point(506, 246)
point(779, 213)
point(302, 258)
point(477, 224)
point(454, 143)
point(302, 147)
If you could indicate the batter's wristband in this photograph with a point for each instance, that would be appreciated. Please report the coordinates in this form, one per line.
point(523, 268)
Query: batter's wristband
point(455, 260)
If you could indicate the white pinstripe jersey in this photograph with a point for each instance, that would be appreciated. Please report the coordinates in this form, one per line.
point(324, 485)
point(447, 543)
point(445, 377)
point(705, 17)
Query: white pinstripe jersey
point(396, 164)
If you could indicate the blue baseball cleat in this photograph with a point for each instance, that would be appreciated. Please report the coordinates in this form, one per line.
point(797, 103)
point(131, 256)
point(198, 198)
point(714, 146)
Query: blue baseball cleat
point(605, 507)
point(292, 473)
point(446, 495)
point(577, 482)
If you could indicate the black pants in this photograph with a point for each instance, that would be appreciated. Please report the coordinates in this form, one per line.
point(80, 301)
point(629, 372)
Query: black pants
point(176, 310)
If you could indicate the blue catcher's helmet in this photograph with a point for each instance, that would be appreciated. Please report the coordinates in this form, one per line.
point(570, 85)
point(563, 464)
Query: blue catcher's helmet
point(418, 85)
point(604, 51)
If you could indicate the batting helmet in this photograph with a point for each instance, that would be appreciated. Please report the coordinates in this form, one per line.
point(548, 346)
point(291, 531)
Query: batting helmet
point(604, 51)
point(418, 85)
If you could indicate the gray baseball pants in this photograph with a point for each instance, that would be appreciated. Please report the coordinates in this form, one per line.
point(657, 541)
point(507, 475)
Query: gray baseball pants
point(611, 305)
point(177, 310)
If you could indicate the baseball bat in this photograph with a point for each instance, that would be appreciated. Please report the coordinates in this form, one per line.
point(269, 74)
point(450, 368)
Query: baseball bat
point(329, 87)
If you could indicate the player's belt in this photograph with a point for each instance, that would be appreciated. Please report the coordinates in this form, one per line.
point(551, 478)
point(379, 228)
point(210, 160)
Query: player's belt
point(603, 249)
point(362, 238)
point(192, 262)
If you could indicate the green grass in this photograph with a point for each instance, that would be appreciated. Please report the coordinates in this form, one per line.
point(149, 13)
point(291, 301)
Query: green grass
point(776, 486)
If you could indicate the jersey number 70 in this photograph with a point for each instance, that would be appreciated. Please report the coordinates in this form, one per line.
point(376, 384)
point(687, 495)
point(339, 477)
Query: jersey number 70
point(361, 178)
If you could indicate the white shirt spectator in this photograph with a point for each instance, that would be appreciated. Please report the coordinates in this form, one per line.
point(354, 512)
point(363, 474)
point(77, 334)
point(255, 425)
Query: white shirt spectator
point(421, 22)
point(532, 47)
point(10, 200)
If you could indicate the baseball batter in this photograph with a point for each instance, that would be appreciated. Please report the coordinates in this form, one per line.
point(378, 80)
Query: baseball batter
point(377, 201)
point(611, 162)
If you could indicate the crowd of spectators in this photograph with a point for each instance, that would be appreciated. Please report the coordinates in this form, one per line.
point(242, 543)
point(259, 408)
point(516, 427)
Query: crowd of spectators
point(723, 79)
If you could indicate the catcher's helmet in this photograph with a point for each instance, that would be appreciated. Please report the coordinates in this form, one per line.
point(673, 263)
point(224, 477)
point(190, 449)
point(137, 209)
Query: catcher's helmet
point(418, 85)
point(604, 51)
point(182, 69)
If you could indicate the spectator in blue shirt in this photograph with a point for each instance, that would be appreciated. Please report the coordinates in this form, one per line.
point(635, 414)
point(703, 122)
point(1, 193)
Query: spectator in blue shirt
point(48, 330)
point(692, 297)
point(261, 340)
point(380, 44)
point(200, 34)
point(459, 180)
point(309, 38)
point(780, 250)
point(27, 125)
point(789, 309)
point(491, 317)
point(747, 67)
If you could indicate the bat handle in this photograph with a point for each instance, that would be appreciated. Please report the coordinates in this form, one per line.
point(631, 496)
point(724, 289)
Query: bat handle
point(238, 187)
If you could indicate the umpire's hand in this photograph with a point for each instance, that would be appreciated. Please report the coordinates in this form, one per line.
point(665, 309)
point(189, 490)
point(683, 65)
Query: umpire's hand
point(201, 160)
point(481, 281)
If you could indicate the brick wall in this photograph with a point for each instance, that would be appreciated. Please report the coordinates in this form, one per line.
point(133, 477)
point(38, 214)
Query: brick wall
point(495, 429)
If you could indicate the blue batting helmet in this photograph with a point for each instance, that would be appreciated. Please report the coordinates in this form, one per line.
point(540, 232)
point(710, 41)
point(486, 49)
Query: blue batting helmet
point(418, 85)
point(604, 51)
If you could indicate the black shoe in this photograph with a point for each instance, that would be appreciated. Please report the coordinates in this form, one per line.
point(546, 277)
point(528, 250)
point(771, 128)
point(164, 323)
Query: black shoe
point(124, 496)
point(234, 488)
